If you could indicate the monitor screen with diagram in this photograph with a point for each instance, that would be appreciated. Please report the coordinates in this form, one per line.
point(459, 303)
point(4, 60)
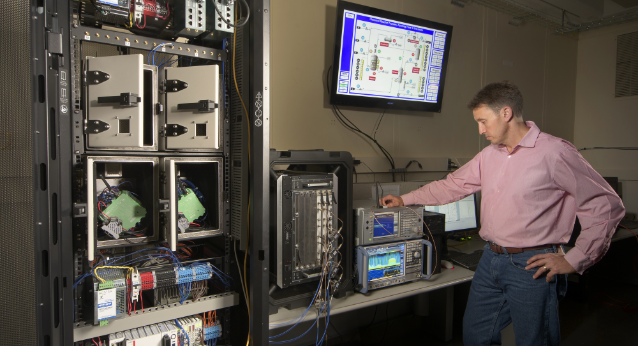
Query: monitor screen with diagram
point(388, 60)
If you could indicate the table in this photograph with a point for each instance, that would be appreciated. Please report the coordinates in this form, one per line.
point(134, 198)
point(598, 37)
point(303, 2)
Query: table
point(445, 280)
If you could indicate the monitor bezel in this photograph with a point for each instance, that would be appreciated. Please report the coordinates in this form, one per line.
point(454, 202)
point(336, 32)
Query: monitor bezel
point(380, 102)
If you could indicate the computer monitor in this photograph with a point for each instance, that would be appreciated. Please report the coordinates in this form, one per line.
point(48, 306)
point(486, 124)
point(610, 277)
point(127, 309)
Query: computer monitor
point(460, 215)
point(388, 60)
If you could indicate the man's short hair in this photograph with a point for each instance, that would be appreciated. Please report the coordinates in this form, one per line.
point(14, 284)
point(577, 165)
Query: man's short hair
point(498, 95)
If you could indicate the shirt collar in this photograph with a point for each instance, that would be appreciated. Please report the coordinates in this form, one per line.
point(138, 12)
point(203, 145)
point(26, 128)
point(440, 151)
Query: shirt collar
point(529, 140)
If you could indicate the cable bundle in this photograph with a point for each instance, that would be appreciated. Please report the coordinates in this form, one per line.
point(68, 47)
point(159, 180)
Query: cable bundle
point(212, 330)
point(328, 284)
point(191, 279)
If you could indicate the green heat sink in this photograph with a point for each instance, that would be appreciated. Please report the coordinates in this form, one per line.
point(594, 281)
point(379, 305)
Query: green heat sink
point(190, 206)
point(127, 208)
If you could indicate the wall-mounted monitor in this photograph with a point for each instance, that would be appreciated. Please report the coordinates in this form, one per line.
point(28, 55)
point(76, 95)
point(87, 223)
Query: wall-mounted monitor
point(388, 60)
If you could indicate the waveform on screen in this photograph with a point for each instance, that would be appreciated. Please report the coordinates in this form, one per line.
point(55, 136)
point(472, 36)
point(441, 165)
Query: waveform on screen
point(384, 260)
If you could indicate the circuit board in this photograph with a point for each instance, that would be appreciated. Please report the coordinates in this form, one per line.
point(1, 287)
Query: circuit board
point(190, 206)
point(127, 208)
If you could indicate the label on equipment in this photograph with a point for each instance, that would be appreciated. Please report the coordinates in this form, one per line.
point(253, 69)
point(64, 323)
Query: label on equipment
point(106, 304)
point(87, 37)
point(127, 43)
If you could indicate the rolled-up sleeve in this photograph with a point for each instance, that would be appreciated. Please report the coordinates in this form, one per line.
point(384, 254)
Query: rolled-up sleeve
point(459, 184)
point(598, 207)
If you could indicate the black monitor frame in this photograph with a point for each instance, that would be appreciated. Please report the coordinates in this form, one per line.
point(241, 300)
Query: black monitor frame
point(380, 102)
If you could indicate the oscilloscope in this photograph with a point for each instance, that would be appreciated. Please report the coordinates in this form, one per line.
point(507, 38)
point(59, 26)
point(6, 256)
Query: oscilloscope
point(391, 264)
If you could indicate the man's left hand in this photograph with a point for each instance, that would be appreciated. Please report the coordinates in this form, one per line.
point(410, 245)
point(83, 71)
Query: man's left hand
point(550, 264)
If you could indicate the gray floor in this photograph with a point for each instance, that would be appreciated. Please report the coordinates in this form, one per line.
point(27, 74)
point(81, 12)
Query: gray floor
point(601, 309)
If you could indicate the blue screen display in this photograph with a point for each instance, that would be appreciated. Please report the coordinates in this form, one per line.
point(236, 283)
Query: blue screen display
point(390, 59)
point(384, 226)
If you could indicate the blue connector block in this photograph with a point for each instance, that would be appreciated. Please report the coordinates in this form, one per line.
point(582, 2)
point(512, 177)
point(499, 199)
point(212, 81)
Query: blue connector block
point(213, 332)
point(184, 275)
point(202, 273)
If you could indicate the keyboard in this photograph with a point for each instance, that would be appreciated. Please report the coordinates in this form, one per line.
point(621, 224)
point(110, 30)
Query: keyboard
point(470, 260)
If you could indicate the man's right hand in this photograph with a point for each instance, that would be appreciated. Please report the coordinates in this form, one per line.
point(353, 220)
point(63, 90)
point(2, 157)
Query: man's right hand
point(391, 201)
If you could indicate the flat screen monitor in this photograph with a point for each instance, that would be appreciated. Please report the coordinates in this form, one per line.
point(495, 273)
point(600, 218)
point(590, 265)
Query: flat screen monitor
point(388, 60)
point(460, 215)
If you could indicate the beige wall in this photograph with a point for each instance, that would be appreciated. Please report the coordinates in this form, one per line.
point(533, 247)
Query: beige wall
point(603, 120)
point(302, 47)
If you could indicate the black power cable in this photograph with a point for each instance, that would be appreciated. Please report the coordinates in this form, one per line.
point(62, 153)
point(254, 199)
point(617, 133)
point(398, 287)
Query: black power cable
point(378, 124)
point(352, 127)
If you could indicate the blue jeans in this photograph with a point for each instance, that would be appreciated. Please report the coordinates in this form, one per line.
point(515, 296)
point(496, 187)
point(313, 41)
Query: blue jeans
point(504, 292)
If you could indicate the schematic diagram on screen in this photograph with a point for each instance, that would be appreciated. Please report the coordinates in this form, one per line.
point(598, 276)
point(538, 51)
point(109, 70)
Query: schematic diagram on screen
point(391, 59)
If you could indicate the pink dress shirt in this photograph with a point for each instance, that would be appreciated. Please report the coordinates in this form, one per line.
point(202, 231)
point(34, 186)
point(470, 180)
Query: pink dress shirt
point(531, 196)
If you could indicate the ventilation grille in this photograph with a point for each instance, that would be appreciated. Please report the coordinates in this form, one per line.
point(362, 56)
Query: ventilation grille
point(17, 272)
point(627, 65)
point(238, 148)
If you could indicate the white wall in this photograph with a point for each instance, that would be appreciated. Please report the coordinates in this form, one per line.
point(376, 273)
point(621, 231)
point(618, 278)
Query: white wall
point(602, 119)
point(302, 47)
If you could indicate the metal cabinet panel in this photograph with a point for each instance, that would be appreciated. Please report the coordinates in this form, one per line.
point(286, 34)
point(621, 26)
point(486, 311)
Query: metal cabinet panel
point(110, 124)
point(200, 130)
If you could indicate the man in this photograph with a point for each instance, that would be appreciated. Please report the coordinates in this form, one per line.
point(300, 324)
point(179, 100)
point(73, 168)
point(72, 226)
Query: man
point(533, 187)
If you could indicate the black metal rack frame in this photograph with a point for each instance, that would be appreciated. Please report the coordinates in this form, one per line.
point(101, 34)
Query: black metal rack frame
point(39, 59)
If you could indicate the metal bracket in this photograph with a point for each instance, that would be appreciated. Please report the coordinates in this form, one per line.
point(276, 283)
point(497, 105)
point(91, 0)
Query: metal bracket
point(79, 209)
point(125, 99)
point(164, 205)
point(175, 85)
point(203, 106)
point(174, 130)
point(54, 43)
point(96, 77)
point(95, 126)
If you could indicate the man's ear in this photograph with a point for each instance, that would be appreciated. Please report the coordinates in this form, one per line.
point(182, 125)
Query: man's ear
point(506, 114)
